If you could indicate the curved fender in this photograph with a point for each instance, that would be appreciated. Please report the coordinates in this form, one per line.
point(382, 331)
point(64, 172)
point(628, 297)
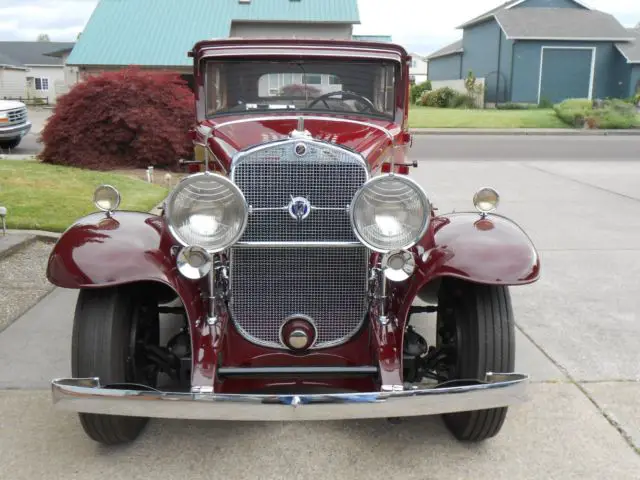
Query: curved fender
point(491, 250)
point(130, 247)
point(105, 251)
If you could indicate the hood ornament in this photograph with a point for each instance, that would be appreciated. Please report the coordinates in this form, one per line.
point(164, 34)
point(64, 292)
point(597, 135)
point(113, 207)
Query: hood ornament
point(300, 131)
point(299, 208)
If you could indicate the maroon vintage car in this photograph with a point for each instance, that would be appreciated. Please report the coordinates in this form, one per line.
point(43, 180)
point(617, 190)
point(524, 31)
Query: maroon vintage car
point(280, 280)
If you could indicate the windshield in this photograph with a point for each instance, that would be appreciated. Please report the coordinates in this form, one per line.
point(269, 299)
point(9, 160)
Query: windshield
point(336, 86)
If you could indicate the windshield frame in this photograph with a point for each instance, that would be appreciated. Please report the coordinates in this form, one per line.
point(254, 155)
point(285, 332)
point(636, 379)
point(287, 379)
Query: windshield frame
point(395, 95)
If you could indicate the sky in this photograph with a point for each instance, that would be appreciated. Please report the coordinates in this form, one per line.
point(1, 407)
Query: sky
point(422, 26)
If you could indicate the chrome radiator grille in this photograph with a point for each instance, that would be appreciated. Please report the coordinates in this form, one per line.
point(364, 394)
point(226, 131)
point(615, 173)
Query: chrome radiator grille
point(283, 276)
point(327, 284)
point(328, 178)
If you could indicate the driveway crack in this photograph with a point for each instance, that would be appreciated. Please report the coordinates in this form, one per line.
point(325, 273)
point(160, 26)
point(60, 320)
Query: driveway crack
point(608, 416)
point(581, 182)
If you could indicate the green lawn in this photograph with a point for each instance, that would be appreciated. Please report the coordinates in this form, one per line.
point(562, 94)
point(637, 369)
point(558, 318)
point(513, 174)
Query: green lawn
point(424, 117)
point(48, 197)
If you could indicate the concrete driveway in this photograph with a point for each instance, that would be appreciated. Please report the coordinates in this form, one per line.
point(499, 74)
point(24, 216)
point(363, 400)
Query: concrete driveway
point(578, 336)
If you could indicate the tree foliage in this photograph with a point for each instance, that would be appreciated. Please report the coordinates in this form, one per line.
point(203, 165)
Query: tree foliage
point(128, 118)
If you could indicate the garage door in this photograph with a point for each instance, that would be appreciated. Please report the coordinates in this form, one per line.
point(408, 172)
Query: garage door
point(566, 73)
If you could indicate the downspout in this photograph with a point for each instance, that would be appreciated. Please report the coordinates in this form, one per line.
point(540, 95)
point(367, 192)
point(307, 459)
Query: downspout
point(513, 50)
point(499, 63)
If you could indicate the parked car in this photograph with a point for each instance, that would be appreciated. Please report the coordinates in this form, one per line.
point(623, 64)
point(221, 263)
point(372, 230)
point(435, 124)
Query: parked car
point(14, 123)
point(294, 254)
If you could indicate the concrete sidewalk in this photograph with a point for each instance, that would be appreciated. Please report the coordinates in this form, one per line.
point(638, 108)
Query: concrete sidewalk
point(523, 131)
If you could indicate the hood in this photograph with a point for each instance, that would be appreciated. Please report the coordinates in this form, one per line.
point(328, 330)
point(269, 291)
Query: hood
point(10, 105)
point(367, 137)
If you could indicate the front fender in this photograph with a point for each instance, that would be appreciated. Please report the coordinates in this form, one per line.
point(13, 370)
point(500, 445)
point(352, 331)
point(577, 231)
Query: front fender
point(491, 250)
point(105, 251)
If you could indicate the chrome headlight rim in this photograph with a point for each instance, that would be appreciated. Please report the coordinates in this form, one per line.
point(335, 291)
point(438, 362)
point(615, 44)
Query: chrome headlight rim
point(230, 184)
point(109, 188)
point(421, 193)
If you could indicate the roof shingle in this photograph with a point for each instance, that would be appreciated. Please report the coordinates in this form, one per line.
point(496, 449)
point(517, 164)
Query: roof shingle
point(488, 14)
point(33, 53)
point(631, 50)
point(6, 60)
point(455, 47)
point(561, 24)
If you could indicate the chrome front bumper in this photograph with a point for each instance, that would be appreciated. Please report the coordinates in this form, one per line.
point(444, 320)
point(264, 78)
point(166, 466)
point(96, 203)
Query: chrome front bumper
point(88, 396)
point(15, 131)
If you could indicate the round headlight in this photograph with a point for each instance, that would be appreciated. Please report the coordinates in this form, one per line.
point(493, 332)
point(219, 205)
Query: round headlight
point(486, 200)
point(207, 210)
point(106, 198)
point(390, 212)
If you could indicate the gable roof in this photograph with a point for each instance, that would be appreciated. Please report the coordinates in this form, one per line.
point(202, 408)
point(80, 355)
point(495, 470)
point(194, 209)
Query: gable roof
point(453, 48)
point(7, 61)
point(561, 24)
point(33, 53)
point(505, 6)
point(631, 50)
point(160, 32)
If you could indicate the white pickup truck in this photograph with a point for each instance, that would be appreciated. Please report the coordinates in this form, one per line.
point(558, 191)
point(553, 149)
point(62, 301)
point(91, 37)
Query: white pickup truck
point(14, 123)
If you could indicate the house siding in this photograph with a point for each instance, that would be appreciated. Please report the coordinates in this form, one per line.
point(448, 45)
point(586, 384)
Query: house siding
point(481, 44)
point(57, 85)
point(634, 84)
point(420, 71)
point(445, 68)
point(12, 83)
point(289, 30)
point(526, 69)
point(549, 4)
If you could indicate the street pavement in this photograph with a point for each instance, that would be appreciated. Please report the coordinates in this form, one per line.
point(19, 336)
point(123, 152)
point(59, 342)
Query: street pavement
point(578, 336)
point(29, 145)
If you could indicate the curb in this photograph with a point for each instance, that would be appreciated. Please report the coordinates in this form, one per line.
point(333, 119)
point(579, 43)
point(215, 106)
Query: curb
point(31, 237)
point(560, 132)
point(18, 246)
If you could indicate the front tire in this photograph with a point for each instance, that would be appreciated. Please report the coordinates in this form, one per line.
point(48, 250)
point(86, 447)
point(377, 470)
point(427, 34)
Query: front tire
point(111, 327)
point(10, 144)
point(478, 321)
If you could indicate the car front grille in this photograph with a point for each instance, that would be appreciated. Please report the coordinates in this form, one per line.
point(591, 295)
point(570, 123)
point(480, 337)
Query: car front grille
point(326, 284)
point(314, 267)
point(17, 116)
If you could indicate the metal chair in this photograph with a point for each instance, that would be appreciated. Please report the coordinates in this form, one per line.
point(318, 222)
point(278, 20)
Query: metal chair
point(3, 215)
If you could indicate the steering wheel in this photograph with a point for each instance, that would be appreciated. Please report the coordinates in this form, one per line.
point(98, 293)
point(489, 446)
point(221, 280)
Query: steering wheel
point(346, 95)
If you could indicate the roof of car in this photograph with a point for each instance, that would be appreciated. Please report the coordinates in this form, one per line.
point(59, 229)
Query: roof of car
point(311, 45)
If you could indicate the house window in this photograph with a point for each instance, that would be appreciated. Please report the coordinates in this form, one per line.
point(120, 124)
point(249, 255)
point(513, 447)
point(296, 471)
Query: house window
point(312, 79)
point(414, 64)
point(334, 80)
point(42, 84)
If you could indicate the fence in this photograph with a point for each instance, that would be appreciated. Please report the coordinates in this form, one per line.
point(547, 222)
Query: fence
point(33, 101)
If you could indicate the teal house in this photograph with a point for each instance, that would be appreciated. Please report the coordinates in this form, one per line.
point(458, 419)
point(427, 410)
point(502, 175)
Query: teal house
point(529, 51)
point(159, 33)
